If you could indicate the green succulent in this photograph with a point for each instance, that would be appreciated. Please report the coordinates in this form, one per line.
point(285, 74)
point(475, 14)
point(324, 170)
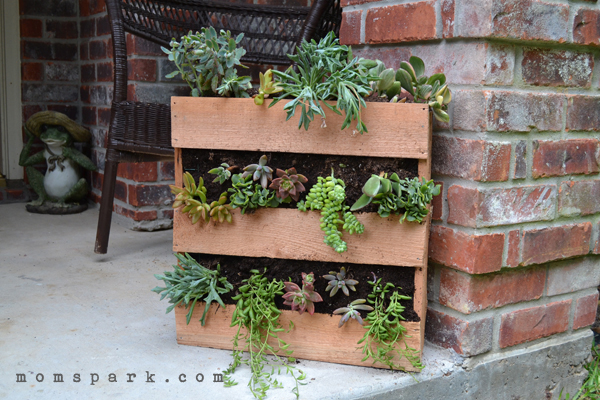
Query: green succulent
point(192, 198)
point(353, 311)
point(379, 190)
point(288, 184)
point(387, 84)
point(266, 88)
point(219, 210)
point(416, 196)
point(245, 194)
point(223, 173)
point(207, 62)
point(339, 281)
point(259, 172)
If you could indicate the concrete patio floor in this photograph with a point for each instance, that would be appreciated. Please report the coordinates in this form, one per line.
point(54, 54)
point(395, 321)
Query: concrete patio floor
point(65, 310)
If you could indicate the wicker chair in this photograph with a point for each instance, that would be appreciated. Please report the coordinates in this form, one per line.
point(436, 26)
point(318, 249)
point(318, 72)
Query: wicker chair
point(141, 132)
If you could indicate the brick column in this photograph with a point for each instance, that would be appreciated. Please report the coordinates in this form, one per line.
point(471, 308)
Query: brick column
point(515, 237)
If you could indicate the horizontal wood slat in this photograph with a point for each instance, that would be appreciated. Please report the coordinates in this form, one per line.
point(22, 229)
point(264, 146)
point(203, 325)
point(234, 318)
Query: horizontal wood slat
point(292, 234)
point(395, 130)
point(314, 337)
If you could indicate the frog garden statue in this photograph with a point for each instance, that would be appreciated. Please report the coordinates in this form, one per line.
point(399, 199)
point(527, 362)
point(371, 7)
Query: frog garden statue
point(61, 190)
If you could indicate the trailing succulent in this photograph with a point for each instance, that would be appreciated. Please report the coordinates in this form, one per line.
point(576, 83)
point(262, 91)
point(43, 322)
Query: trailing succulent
point(207, 62)
point(288, 184)
point(190, 282)
point(245, 194)
point(329, 196)
point(325, 71)
point(394, 194)
point(302, 299)
point(353, 311)
point(385, 334)
point(257, 316)
point(339, 281)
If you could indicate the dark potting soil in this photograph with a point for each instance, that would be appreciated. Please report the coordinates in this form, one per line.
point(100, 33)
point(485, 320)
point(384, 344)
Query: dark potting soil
point(236, 269)
point(354, 171)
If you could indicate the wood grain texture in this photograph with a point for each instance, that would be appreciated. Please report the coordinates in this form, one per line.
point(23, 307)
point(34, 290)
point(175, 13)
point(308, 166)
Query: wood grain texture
point(292, 234)
point(314, 337)
point(395, 130)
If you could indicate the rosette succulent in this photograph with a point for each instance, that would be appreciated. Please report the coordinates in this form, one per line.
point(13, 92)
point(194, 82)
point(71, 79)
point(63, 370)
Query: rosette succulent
point(259, 171)
point(219, 211)
point(302, 299)
point(289, 184)
point(339, 281)
point(352, 311)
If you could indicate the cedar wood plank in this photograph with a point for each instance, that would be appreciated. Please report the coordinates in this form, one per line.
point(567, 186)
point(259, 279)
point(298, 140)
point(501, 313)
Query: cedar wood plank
point(314, 337)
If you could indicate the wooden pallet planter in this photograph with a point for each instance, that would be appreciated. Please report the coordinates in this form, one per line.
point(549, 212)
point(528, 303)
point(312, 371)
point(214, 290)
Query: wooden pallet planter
point(395, 130)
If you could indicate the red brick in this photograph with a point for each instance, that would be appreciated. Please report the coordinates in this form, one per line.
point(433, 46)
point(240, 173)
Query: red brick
point(64, 72)
point(121, 190)
point(168, 214)
point(472, 293)
point(29, 110)
point(500, 65)
point(142, 47)
point(139, 172)
point(586, 27)
point(103, 26)
point(49, 51)
point(167, 171)
point(437, 203)
point(61, 29)
point(530, 20)
point(350, 29)
point(346, 3)
point(465, 337)
point(474, 18)
point(572, 276)
point(88, 72)
point(514, 111)
point(105, 72)
point(32, 71)
point(391, 56)
point(141, 70)
point(583, 113)
point(475, 254)
point(448, 18)
point(585, 311)
point(476, 160)
point(401, 23)
point(84, 51)
point(565, 157)
point(520, 160)
point(136, 215)
point(493, 207)
point(149, 195)
point(98, 49)
point(91, 7)
point(579, 198)
point(513, 253)
point(88, 115)
point(555, 243)
point(87, 28)
point(468, 111)
point(104, 116)
point(31, 28)
point(533, 323)
point(557, 68)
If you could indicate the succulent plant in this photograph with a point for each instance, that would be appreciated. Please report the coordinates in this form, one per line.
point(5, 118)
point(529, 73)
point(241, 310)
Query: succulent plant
point(352, 311)
point(223, 173)
point(259, 171)
point(189, 190)
point(219, 211)
point(378, 187)
point(289, 184)
point(267, 87)
point(416, 195)
point(207, 62)
point(302, 299)
point(245, 194)
point(339, 281)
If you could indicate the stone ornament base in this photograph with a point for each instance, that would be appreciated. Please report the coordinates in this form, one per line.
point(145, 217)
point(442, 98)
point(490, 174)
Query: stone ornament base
point(54, 209)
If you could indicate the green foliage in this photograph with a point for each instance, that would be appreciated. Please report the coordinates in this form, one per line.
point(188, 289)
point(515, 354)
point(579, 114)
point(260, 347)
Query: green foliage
point(394, 194)
point(339, 281)
point(192, 198)
point(326, 71)
point(266, 88)
point(289, 184)
point(329, 196)
point(257, 314)
point(259, 172)
point(245, 194)
point(223, 173)
point(302, 299)
point(190, 282)
point(590, 390)
point(219, 211)
point(385, 333)
point(207, 61)
point(352, 311)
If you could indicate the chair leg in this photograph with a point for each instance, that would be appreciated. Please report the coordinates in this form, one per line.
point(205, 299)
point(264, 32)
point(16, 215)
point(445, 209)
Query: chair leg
point(106, 205)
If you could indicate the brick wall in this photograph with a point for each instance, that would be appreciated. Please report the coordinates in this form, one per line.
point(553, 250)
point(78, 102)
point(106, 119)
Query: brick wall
point(515, 237)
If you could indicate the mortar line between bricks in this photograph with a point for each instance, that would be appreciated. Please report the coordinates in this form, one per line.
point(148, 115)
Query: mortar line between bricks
point(496, 136)
point(527, 89)
point(382, 3)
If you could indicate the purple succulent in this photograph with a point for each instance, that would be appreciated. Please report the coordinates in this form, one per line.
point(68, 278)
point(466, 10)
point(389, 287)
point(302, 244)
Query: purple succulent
point(288, 184)
point(302, 299)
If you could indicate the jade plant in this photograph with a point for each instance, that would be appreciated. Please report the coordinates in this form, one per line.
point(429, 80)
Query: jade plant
point(329, 196)
point(337, 281)
point(385, 339)
point(325, 71)
point(207, 61)
point(302, 299)
point(257, 320)
point(247, 195)
point(353, 311)
point(190, 282)
point(288, 184)
point(259, 172)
